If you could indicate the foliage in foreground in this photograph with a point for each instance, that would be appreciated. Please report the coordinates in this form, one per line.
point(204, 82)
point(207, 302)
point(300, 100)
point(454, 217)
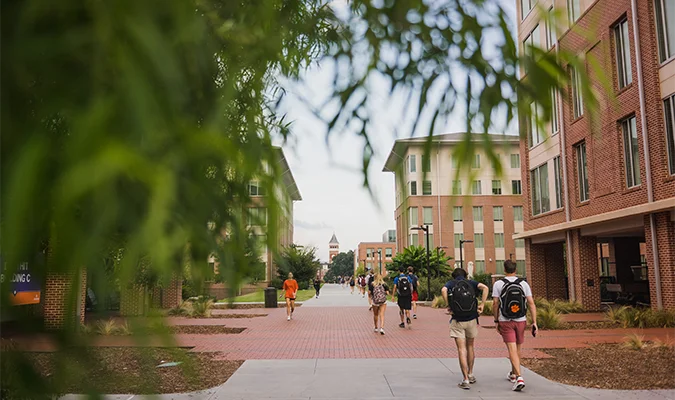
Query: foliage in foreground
point(634, 342)
point(633, 317)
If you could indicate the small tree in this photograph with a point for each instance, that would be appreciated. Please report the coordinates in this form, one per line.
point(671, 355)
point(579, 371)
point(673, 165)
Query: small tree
point(416, 256)
point(302, 262)
point(342, 265)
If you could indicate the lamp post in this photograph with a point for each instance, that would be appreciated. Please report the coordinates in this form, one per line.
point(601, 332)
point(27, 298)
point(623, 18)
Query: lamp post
point(461, 259)
point(379, 251)
point(425, 228)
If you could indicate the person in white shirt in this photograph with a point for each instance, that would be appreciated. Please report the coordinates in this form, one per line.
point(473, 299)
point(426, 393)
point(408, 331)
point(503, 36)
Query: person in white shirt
point(512, 298)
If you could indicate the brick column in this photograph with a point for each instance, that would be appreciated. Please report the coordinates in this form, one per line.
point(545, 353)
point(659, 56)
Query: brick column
point(59, 305)
point(586, 270)
point(665, 240)
point(132, 301)
point(535, 265)
point(172, 294)
point(546, 269)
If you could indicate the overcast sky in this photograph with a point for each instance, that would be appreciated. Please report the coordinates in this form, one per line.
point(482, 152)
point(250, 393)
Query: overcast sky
point(330, 178)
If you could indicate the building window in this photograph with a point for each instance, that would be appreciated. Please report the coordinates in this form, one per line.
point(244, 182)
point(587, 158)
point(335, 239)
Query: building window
point(518, 213)
point(369, 265)
point(577, 97)
point(412, 212)
point(458, 237)
point(427, 215)
point(526, 6)
point(515, 160)
point(557, 172)
point(498, 213)
point(369, 253)
point(555, 126)
point(476, 187)
point(520, 268)
point(669, 108)
point(457, 214)
point(426, 188)
point(478, 214)
point(665, 28)
point(582, 172)
point(414, 239)
point(516, 187)
point(476, 161)
point(426, 163)
point(499, 240)
point(532, 40)
point(413, 188)
point(573, 10)
point(387, 252)
point(496, 187)
point(479, 266)
point(257, 216)
point(622, 45)
point(534, 134)
point(520, 243)
point(604, 266)
point(413, 163)
point(431, 241)
point(551, 36)
point(500, 267)
point(255, 189)
point(631, 152)
point(478, 240)
point(455, 162)
point(456, 187)
point(539, 184)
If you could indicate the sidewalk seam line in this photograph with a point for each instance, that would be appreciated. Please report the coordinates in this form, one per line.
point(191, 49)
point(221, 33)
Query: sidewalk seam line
point(390, 389)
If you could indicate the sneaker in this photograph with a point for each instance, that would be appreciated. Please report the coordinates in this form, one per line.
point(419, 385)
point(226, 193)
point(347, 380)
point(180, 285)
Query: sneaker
point(472, 379)
point(511, 377)
point(464, 385)
point(370, 308)
point(401, 325)
point(381, 331)
point(519, 384)
point(376, 330)
point(288, 319)
point(408, 320)
point(414, 316)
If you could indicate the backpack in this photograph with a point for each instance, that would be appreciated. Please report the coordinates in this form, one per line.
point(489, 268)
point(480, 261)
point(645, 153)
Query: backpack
point(362, 281)
point(463, 301)
point(404, 287)
point(512, 300)
point(414, 280)
point(379, 295)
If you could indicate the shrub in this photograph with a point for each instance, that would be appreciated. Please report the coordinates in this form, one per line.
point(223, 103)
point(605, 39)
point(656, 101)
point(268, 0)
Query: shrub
point(485, 279)
point(616, 315)
point(542, 303)
point(661, 345)
point(183, 309)
point(487, 308)
point(106, 328)
point(303, 285)
point(630, 317)
point(567, 307)
point(661, 319)
point(201, 307)
point(277, 283)
point(86, 329)
point(634, 342)
point(123, 329)
point(436, 286)
point(548, 318)
point(439, 302)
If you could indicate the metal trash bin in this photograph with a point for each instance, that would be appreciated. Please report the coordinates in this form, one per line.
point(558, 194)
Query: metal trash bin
point(271, 297)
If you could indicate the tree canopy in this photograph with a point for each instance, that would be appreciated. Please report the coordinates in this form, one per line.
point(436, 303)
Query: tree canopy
point(416, 257)
point(342, 265)
point(302, 262)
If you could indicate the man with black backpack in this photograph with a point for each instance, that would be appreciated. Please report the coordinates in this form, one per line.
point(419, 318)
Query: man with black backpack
point(512, 297)
point(404, 291)
point(460, 294)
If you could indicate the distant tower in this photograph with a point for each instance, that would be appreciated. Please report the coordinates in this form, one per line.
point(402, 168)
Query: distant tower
point(333, 248)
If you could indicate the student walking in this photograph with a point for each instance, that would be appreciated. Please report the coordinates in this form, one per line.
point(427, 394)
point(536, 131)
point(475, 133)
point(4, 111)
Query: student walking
point(415, 295)
point(379, 291)
point(512, 297)
point(352, 284)
point(291, 288)
point(362, 285)
point(404, 292)
point(317, 286)
point(369, 280)
point(460, 294)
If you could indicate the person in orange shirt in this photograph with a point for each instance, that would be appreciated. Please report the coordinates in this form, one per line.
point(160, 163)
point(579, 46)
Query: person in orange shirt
point(291, 289)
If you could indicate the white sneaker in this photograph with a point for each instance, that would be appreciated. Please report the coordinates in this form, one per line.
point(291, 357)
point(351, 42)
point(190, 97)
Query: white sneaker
point(519, 384)
point(288, 319)
point(376, 330)
point(381, 331)
point(511, 377)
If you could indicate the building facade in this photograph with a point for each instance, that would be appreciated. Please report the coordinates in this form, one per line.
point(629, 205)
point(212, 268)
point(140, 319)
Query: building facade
point(333, 248)
point(389, 236)
point(374, 255)
point(600, 198)
point(475, 205)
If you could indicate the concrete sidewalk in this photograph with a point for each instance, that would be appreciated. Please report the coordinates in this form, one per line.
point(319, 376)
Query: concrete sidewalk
point(334, 295)
point(375, 379)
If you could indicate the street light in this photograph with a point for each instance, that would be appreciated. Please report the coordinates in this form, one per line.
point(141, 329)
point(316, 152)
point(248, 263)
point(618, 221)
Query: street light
point(461, 259)
point(425, 228)
point(379, 251)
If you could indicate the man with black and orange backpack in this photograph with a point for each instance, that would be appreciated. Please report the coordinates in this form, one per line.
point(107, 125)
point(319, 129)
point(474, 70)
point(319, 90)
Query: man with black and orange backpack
point(512, 298)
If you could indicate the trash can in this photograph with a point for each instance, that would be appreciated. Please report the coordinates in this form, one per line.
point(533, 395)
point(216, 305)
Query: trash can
point(271, 297)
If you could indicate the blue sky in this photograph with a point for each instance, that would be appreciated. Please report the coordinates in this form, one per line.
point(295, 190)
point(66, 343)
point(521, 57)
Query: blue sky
point(329, 176)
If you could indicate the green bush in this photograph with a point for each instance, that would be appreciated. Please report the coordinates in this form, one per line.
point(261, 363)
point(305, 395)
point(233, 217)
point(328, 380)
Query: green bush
point(487, 308)
point(485, 279)
point(436, 286)
point(183, 309)
point(631, 317)
point(303, 285)
point(276, 283)
point(567, 307)
point(548, 318)
point(201, 307)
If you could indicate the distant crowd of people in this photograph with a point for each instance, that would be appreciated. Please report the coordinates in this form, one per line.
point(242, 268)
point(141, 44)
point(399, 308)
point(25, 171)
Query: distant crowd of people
point(511, 295)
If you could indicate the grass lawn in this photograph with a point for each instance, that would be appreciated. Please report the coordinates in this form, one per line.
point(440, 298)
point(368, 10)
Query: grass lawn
point(259, 296)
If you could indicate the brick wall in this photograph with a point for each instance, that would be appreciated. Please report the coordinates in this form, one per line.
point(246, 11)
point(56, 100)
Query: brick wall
point(64, 298)
point(585, 257)
point(168, 296)
point(546, 269)
point(132, 301)
point(665, 239)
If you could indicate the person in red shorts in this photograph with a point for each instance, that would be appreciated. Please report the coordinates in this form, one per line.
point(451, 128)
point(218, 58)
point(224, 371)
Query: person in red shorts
point(512, 298)
point(415, 295)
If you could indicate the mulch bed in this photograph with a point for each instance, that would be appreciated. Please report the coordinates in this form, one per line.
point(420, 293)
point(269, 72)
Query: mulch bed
point(608, 366)
point(585, 325)
point(213, 315)
point(205, 330)
point(129, 370)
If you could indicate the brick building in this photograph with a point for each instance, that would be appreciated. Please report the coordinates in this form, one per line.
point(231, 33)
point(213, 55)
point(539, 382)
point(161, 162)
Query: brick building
point(373, 255)
point(600, 199)
point(476, 205)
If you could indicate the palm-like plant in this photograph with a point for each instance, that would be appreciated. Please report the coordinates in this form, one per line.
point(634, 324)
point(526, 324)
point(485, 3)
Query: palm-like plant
point(416, 257)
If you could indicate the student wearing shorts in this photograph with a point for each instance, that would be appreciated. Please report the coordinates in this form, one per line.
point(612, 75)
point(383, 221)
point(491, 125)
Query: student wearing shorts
point(403, 290)
point(291, 290)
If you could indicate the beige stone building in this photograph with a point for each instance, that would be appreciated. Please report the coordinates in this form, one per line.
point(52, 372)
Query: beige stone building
point(477, 205)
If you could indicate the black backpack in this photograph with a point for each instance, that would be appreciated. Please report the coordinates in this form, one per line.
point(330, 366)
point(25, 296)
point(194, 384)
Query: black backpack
point(404, 287)
point(512, 300)
point(463, 300)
